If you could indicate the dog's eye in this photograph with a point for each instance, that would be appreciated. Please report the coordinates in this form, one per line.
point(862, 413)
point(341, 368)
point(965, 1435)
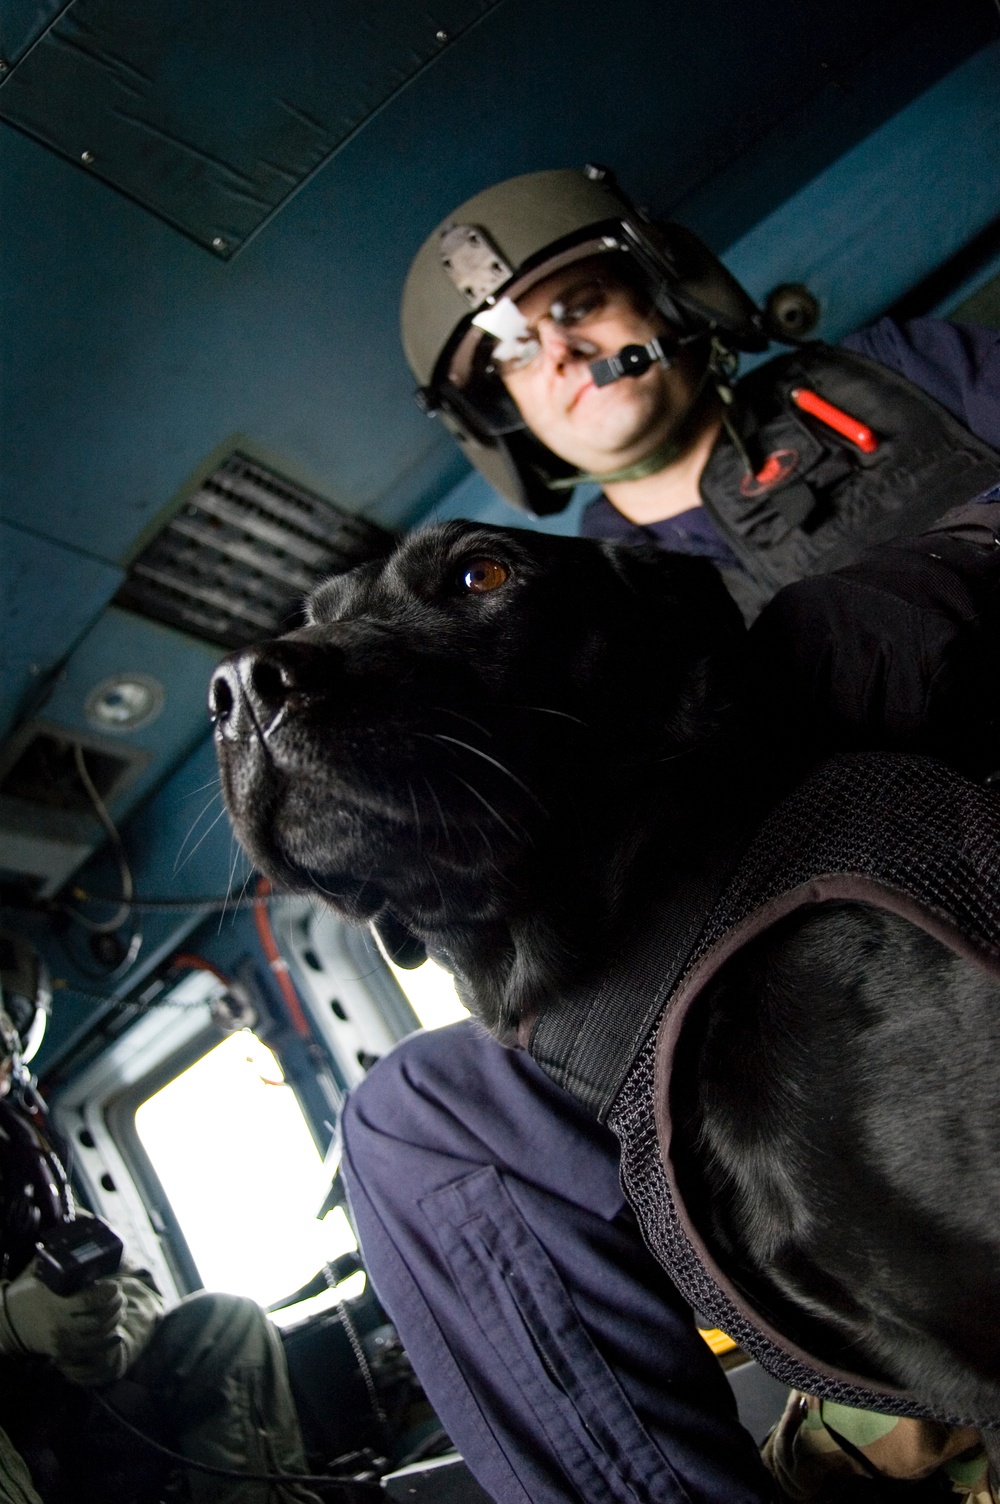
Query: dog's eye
point(482, 575)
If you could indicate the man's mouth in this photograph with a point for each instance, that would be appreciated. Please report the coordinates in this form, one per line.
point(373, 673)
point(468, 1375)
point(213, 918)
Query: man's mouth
point(586, 386)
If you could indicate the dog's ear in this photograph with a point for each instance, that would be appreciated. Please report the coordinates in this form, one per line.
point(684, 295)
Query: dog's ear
point(402, 947)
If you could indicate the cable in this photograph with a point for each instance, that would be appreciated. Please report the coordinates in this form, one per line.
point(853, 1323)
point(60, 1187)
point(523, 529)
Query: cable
point(109, 926)
point(354, 1487)
point(106, 926)
point(138, 1004)
point(159, 905)
point(279, 966)
point(188, 961)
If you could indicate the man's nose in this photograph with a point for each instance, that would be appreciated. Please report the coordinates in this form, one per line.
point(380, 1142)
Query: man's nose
point(252, 687)
point(563, 346)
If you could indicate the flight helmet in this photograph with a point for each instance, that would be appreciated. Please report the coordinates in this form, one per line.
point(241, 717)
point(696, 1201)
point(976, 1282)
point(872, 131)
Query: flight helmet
point(459, 295)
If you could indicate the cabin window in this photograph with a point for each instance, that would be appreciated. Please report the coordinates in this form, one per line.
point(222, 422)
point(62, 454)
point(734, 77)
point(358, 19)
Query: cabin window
point(430, 992)
point(245, 1180)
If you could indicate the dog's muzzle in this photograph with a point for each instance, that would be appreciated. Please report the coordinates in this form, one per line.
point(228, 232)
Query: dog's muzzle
point(251, 691)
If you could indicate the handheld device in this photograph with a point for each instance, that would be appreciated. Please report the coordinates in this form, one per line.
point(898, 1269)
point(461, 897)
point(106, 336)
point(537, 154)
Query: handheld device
point(76, 1254)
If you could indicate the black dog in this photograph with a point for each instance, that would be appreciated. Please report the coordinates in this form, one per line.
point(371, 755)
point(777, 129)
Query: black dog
point(493, 744)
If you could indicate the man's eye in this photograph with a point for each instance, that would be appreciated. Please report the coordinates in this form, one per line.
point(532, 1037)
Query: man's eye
point(579, 306)
point(482, 575)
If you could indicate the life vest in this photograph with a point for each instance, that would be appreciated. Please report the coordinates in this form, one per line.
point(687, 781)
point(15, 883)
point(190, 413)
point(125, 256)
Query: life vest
point(904, 834)
point(815, 499)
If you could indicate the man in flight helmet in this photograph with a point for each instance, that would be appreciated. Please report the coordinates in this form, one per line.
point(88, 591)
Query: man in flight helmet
point(563, 337)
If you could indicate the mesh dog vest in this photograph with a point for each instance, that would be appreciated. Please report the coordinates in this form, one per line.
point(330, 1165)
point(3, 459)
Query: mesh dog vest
point(900, 833)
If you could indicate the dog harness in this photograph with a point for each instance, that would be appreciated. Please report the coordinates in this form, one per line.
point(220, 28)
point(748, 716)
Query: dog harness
point(903, 834)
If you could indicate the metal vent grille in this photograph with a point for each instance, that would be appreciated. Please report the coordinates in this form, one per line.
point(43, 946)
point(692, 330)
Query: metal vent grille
point(236, 561)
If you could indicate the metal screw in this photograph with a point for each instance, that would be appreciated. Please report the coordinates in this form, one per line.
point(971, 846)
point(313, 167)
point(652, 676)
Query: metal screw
point(4, 65)
point(218, 244)
point(87, 158)
point(442, 36)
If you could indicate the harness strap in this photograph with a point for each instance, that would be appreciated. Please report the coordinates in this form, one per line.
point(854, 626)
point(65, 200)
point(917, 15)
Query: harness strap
point(587, 1040)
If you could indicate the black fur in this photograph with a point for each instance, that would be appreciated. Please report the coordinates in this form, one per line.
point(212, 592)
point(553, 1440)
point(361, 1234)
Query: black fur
point(499, 775)
point(488, 772)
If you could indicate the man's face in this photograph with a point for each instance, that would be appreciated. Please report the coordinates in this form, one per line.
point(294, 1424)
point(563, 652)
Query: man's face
point(581, 314)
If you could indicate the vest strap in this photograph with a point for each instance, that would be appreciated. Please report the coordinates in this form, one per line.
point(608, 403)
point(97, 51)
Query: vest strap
point(587, 1041)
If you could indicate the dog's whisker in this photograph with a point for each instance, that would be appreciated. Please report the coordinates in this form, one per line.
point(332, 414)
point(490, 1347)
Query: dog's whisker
point(229, 888)
point(437, 805)
point(212, 783)
point(236, 906)
point(454, 740)
point(437, 884)
point(486, 803)
point(446, 710)
point(416, 811)
point(246, 884)
point(193, 827)
point(547, 710)
point(447, 829)
point(178, 864)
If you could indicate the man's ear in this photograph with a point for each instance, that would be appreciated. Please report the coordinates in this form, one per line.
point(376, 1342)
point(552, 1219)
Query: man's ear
point(402, 947)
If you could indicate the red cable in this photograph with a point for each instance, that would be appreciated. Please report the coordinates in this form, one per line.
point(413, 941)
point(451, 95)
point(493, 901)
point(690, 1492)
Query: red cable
point(188, 961)
point(278, 964)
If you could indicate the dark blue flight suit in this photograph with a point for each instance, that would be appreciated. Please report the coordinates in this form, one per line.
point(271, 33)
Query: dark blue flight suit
point(560, 1360)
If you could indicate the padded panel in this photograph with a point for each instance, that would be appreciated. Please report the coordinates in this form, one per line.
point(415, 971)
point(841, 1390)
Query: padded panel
point(49, 595)
point(211, 115)
point(22, 22)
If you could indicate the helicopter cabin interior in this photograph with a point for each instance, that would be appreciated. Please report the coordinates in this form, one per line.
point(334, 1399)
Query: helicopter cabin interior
point(208, 215)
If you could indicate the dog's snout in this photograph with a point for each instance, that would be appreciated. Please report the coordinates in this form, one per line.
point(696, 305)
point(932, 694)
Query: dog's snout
point(269, 681)
point(261, 680)
point(223, 692)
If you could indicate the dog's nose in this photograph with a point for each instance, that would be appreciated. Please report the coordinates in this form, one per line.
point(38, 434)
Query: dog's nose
point(259, 680)
point(223, 692)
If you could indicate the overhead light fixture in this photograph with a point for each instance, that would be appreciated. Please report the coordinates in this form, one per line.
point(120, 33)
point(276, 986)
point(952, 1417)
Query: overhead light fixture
point(125, 702)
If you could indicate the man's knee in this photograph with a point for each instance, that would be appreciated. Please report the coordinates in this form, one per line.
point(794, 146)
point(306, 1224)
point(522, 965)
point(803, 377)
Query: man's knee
point(207, 1332)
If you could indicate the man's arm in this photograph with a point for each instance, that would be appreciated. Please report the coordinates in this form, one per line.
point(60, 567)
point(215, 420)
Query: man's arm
point(896, 652)
point(957, 364)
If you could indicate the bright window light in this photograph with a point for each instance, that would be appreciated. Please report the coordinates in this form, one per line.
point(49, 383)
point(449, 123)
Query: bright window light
point(238, 1164)
point(431, 993)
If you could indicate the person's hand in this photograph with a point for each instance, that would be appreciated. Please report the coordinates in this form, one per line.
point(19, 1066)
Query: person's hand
point(93, 1337)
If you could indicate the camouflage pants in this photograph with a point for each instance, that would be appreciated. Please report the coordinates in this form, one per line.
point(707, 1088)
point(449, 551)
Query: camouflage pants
point(211, 1384)
point(826, 1453)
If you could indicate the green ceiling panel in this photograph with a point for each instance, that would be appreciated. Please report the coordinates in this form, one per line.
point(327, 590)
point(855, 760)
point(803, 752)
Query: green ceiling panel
point(212, 114)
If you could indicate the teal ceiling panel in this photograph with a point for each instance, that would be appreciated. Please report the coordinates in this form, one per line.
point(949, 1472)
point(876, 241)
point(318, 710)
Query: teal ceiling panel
point(889, 211)
point(122, 645)
point(49, 595)
point(212, 115)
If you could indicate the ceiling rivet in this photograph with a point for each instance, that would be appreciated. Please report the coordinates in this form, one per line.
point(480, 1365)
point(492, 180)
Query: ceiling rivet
point(87, 158)
point(442, 36)
point(219, 244)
